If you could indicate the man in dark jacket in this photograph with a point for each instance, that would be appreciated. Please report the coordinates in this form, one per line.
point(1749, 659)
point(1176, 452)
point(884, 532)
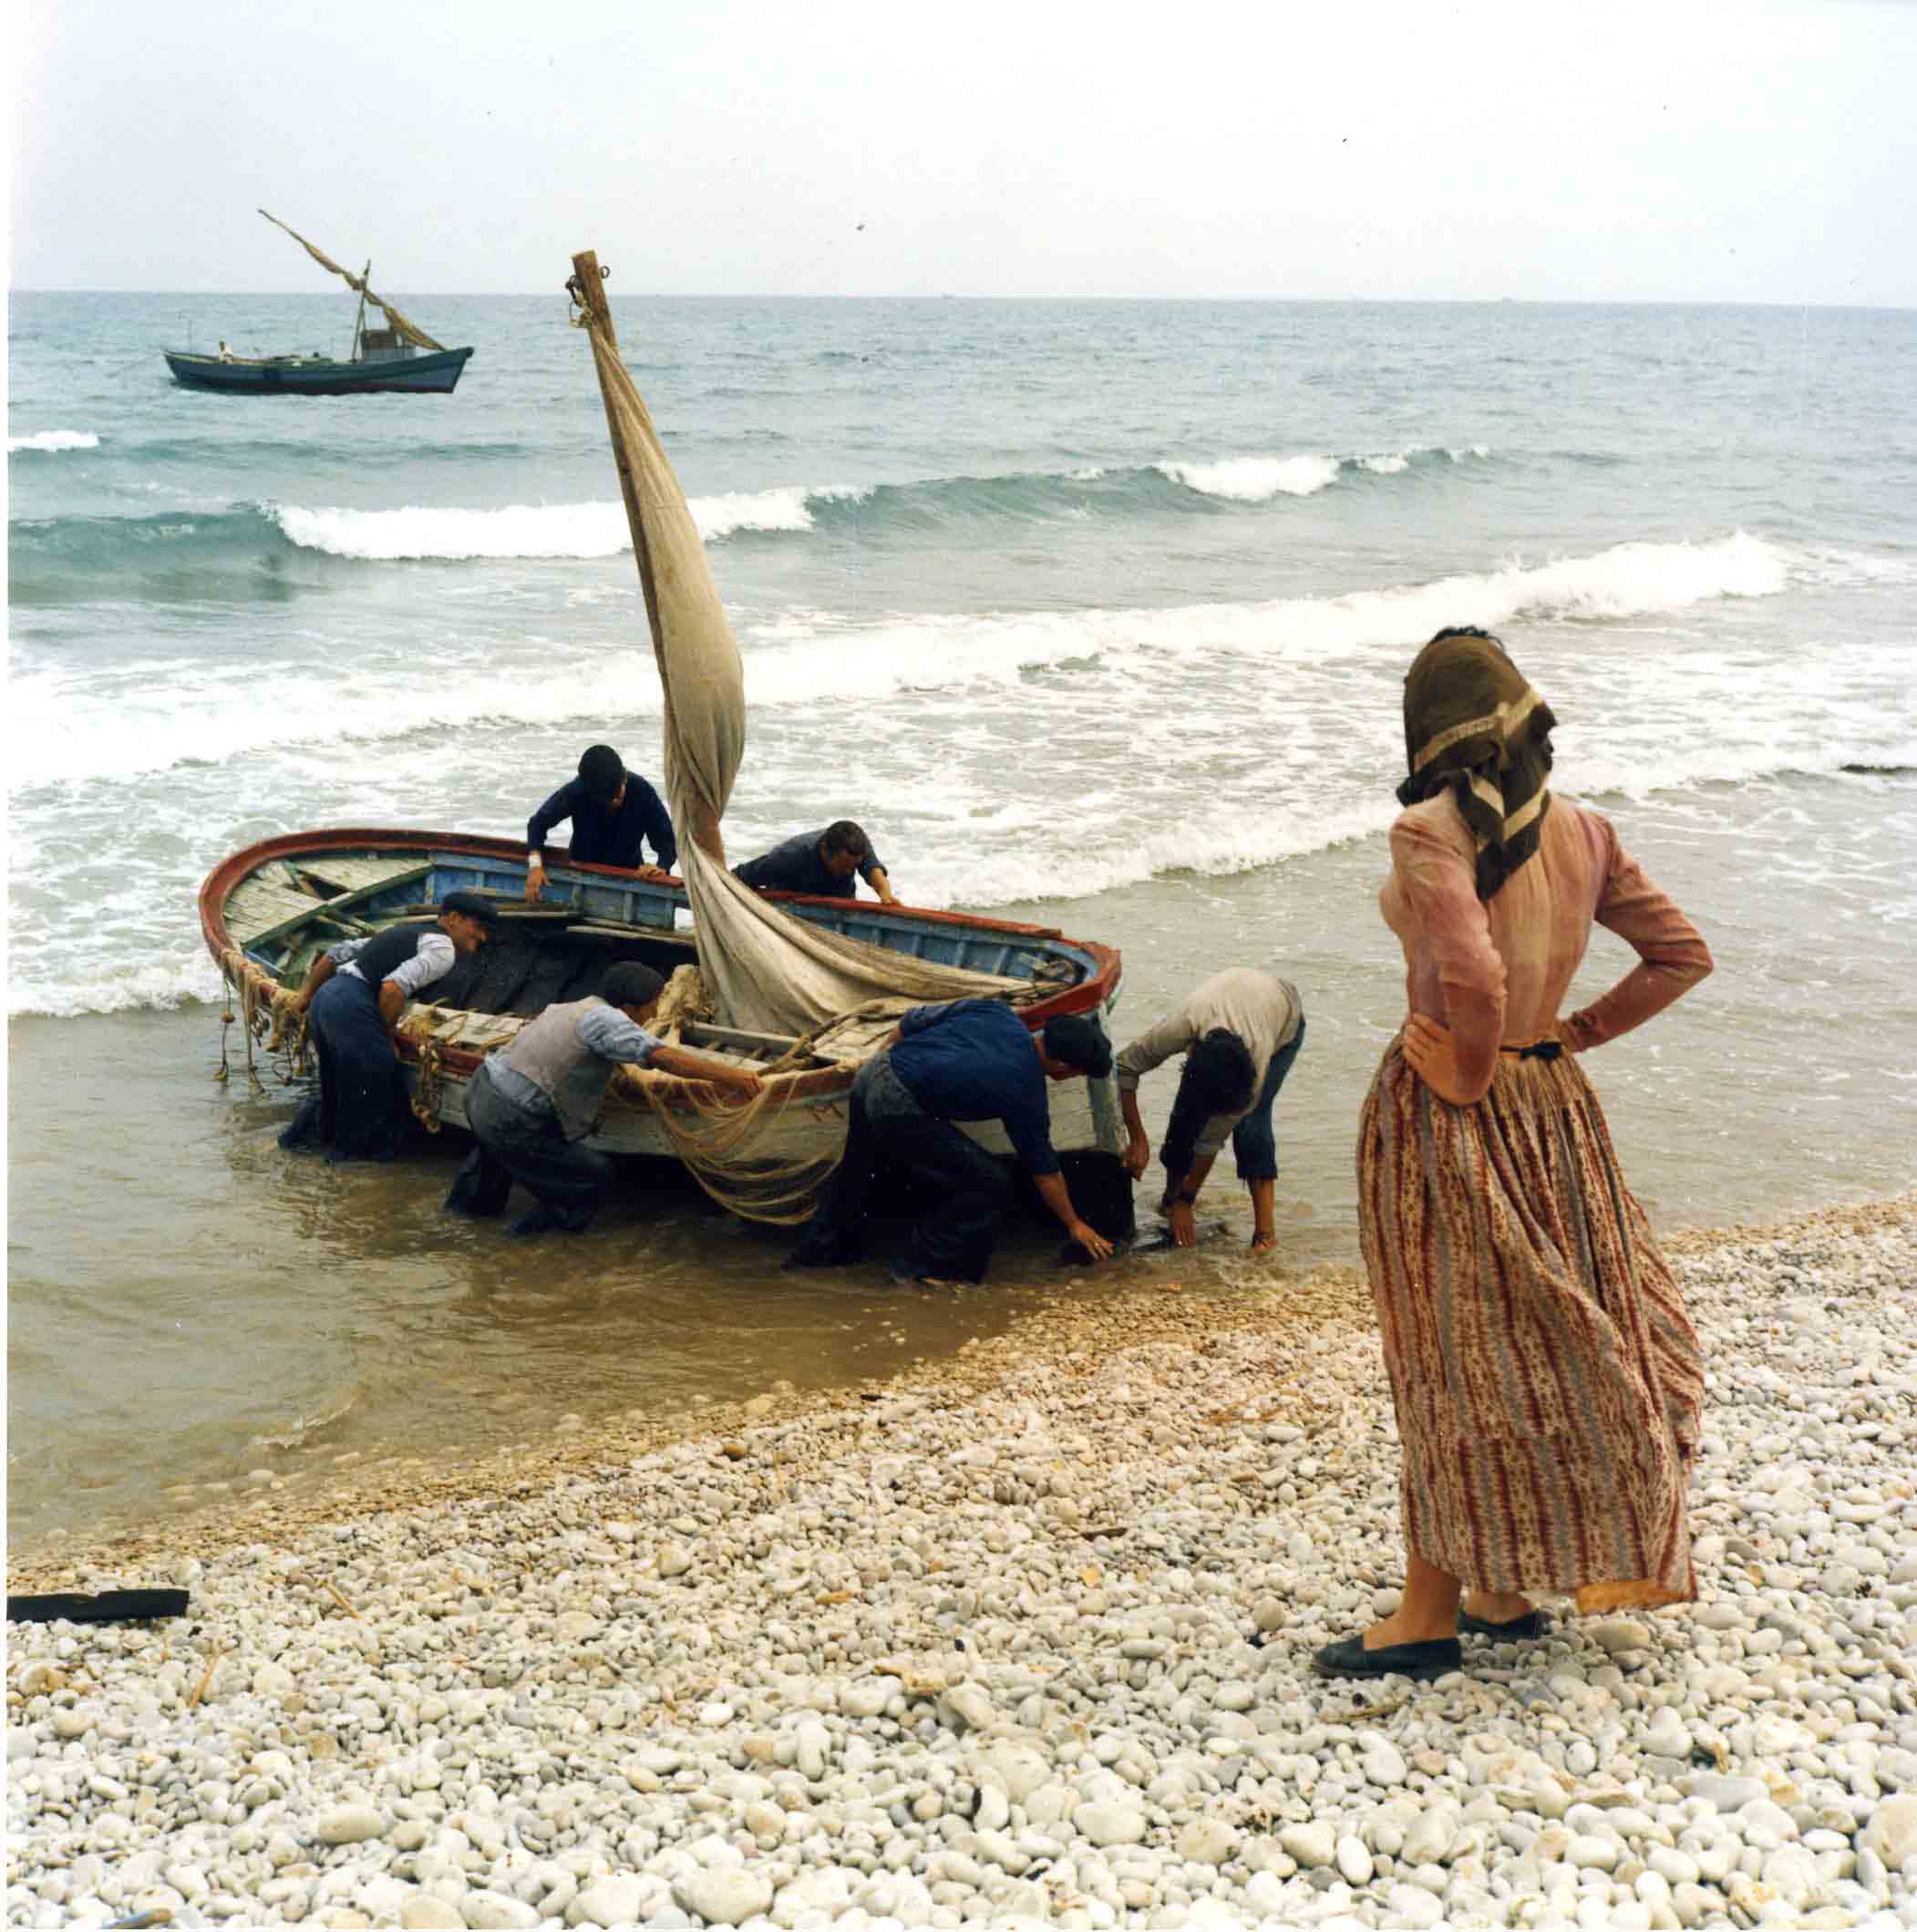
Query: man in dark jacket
point(531, 1106)
point(353, 997)
point(614, 813)
point(971, 1059)
point(820, 862)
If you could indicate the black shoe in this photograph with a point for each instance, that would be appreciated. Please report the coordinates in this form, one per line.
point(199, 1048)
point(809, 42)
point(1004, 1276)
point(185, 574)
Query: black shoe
point(822, 1255)
point(549, 1221)
point(1349, 1658)
point(1519, 1630)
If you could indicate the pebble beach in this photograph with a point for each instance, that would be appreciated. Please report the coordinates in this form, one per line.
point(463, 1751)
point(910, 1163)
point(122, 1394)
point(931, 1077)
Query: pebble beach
point(1022, 1639)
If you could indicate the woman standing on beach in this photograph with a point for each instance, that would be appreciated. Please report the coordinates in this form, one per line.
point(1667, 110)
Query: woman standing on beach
point(1546, 1380)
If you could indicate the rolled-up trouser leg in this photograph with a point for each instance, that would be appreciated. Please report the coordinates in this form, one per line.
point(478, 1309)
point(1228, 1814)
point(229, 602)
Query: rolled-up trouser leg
point(955, 1239)
point(1254, 1144)
point(565, 1176)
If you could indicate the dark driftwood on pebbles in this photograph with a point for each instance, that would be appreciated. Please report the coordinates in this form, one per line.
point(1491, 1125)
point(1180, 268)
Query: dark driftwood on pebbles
point(110, 1606)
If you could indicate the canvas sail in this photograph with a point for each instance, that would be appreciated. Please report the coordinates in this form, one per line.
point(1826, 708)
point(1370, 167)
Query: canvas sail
point(410, 330)
point(766, 971)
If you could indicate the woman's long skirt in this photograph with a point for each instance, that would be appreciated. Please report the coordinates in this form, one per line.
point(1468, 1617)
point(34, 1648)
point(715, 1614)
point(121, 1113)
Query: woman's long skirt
point(1548, 1384)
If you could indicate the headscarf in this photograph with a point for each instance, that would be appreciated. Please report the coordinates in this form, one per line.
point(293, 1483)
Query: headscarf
point(1473, 725)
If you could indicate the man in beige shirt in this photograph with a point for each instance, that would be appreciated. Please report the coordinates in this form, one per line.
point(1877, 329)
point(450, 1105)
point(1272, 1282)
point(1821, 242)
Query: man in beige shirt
point(1239, 1031)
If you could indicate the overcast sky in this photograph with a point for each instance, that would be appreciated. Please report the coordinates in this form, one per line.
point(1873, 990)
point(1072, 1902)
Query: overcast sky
point(1552, 149)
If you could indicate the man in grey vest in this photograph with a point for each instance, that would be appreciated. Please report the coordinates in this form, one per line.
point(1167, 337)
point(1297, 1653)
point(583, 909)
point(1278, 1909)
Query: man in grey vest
point(531, 1106)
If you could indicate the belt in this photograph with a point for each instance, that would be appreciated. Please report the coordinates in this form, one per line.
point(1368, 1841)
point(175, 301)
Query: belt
point(1547, 1048)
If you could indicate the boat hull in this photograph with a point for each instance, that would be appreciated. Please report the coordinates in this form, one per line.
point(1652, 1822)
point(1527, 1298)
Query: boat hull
point(261, 931)
point(430, 375)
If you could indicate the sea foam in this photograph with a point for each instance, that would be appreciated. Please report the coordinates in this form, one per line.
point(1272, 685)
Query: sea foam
point(51, 442)
point(61, 735)
point(1255, 479)
point(576, 531)
point(115, 988)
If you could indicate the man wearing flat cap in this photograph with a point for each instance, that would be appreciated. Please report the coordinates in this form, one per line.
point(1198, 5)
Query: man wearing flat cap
point(531, 1105)
point(353, 997)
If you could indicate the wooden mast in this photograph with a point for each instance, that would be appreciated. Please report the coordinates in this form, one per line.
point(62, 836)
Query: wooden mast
point(359, 321)
point(588, 287)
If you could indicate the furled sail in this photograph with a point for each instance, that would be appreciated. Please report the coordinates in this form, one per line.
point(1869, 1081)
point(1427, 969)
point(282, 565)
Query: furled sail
point(766, 971)
point(410, 330)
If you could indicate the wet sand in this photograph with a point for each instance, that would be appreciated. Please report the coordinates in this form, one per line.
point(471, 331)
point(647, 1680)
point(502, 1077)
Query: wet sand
point(1174, 1300)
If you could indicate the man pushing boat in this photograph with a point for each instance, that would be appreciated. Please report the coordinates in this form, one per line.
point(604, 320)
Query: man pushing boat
point(823, 863)
point(966, 1060)
point(353, 997)
point(531, 1106)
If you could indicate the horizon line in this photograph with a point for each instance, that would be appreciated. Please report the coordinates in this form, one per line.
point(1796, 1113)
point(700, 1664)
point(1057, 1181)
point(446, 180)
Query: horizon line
point(957, 295)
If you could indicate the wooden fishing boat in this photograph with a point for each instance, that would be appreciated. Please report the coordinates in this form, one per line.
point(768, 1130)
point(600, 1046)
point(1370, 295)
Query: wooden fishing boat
point(380, 363)
point(268, 910)
point(401, 357)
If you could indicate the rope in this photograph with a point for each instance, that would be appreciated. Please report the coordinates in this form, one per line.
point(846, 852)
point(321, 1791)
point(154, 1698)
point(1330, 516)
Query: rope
point(269, 1013)
point(426, 1100)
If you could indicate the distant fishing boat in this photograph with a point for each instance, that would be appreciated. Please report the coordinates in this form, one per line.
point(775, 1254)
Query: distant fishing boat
point(401, 356)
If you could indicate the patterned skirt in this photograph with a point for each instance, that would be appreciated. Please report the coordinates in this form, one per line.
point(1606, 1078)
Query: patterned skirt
point(1547, 1382)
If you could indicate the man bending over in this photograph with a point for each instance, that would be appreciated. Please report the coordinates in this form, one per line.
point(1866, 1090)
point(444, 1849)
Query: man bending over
point(614, 812)
point(1239, 1031)
point(354, 996)
point(531, 1106)
point(823, 863)
point(972, 1060)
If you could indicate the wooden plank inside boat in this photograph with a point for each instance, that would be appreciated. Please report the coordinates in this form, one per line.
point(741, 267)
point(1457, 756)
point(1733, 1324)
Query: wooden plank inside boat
point(260, 910)
point(258, 906)
point(353, 873)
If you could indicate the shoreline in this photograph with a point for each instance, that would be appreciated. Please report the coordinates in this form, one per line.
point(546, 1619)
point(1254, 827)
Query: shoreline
point(1020, 1638)
point(1060, 1325)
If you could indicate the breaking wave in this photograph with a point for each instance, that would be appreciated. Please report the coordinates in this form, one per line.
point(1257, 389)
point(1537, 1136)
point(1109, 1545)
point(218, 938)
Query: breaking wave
point(123, 988)
point(92, 555)
point(61, 734)
point(50, 442)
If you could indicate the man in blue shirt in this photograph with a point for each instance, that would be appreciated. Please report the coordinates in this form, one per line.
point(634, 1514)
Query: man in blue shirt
point(972, 1059)
point(614, 813)
point(820, 862)
point(531, 1105)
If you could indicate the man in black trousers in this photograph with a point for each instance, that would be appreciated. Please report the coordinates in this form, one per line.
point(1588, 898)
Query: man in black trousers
point(353, 997)
point(971, 1059)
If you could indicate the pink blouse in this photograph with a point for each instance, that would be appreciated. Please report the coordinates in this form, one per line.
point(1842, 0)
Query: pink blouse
point(1495, 972)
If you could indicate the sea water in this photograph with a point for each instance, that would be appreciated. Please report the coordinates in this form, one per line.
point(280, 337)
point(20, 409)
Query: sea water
point(1093, 613)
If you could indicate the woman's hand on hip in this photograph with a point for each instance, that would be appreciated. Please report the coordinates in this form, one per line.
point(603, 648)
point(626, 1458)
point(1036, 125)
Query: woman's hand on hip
point(1431, 1055)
